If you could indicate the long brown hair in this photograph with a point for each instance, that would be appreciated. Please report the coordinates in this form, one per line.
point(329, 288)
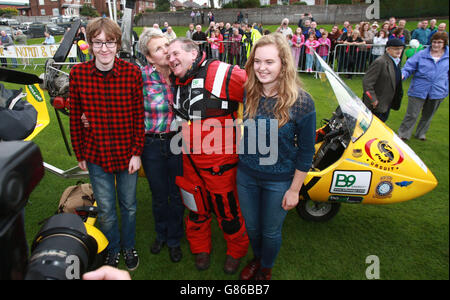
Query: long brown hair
point(289, 83)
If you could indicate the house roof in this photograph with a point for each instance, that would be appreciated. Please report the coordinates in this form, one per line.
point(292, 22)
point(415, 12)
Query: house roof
point(177, 3)
point(191, 4)
point(15, 6)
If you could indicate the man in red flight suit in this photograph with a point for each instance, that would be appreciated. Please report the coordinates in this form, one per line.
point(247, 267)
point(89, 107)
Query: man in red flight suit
point(208, 91)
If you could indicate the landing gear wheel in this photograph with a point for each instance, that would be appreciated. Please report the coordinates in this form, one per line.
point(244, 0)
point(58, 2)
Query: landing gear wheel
point(309, 210)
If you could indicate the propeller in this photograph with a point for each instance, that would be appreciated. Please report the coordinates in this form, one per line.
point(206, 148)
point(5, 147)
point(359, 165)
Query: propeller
point(14, 76)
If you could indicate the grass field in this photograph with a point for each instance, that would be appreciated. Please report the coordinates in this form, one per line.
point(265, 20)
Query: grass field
point(411, 239)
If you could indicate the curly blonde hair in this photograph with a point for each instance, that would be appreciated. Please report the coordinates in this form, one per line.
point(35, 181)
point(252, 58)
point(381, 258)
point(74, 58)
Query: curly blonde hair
point(289, 85)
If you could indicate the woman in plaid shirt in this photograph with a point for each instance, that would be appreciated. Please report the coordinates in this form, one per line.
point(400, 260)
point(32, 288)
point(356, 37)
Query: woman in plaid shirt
point(108, 91)
point(161, 166)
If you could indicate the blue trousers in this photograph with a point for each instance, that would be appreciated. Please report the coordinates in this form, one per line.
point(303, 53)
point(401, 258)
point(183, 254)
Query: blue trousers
point(309, 61)
point(260, 202)
point(161, 167)
point(105, 186)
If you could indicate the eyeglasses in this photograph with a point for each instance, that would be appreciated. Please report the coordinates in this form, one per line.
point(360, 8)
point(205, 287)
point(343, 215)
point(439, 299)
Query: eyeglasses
point(109, 44)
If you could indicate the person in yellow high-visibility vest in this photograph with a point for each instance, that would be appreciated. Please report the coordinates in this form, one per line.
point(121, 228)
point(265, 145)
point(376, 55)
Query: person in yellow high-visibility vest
point(249, 38)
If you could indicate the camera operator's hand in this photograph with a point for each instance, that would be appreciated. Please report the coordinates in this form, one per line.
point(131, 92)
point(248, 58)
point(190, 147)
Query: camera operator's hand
point(107, 273)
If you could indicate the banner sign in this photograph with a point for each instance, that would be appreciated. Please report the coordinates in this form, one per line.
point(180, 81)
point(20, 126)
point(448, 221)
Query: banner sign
point(33, 51)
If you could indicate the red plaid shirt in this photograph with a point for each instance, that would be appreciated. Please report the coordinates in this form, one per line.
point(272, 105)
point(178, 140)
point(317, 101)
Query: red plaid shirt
point(114, 107)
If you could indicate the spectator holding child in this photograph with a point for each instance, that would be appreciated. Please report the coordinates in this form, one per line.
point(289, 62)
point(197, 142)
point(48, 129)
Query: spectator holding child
point(406, 33)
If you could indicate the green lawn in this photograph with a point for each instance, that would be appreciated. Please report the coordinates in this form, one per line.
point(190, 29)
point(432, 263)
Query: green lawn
point(411, 239)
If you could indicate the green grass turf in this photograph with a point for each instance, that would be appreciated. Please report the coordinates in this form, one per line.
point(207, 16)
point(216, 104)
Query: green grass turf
point(411, 238)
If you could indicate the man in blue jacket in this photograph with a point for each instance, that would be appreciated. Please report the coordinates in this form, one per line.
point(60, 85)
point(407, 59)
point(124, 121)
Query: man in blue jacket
point(428, 88)
point(421, 33)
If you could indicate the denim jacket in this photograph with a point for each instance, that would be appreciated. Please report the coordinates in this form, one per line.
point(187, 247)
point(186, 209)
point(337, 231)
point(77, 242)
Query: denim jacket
point(430, 79)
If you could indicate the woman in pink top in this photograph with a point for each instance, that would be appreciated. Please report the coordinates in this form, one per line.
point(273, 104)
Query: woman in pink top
point(311, 45)
point(324, 49)
point(297, 44)
point(214, 44)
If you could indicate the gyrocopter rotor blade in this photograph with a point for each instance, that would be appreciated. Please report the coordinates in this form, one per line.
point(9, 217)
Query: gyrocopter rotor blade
point(66, 45)
point(14, 76)
point(56, 82)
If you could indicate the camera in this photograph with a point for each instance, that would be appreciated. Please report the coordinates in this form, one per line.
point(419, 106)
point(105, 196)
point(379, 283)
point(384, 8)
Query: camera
point(63, 239)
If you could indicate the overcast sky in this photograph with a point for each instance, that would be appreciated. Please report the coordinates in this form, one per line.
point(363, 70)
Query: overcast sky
point(15, 1)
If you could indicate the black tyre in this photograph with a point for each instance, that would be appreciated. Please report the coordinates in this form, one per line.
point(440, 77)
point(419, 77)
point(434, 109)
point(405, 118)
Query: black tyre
point(309, 210)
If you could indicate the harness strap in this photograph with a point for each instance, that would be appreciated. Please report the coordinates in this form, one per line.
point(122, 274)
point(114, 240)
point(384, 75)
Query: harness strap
point(220, 169)
point(230, 70)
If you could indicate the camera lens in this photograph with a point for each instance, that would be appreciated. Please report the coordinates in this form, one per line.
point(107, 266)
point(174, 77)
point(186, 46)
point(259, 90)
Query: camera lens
point(62, 250)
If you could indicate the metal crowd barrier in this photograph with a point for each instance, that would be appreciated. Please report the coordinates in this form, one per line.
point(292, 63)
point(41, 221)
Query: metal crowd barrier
point(344, 59)
point(236, 53)
point(233, 52)
point(355, 59)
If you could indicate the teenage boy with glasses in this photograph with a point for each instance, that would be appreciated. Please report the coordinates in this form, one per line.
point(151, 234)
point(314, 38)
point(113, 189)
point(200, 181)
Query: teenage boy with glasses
point(109, 92)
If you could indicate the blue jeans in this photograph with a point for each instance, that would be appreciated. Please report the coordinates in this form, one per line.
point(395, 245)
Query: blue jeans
point(161, 167)
point(104, 187)
point(318, 66)
point(260, 202)
point(309, 61)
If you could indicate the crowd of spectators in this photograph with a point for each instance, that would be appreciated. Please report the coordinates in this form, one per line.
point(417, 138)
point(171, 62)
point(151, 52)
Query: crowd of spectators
point(353, 46)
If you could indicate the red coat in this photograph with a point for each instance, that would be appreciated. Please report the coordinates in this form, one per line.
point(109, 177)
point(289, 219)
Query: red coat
point(216, 83)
